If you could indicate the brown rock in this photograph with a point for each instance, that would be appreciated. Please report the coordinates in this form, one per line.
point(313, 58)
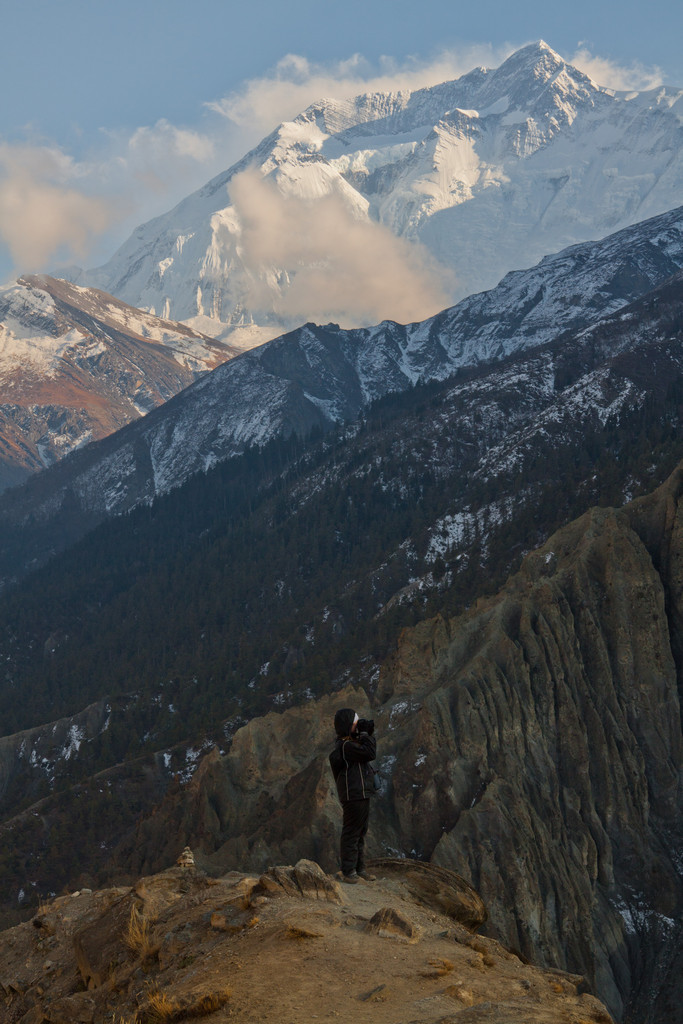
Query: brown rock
point(306, 879)
point(392, 924)
point(437, 887)
point(375, 995)
point(458, 991)
point(219, 922)
point(75, 1009)
point(36, 1015)
point(97, 945)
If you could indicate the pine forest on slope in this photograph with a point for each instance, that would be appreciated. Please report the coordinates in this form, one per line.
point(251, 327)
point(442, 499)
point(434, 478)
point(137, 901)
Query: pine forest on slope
point(307, 556)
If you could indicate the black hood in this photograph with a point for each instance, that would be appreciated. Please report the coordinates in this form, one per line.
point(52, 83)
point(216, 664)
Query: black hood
point(343, 721)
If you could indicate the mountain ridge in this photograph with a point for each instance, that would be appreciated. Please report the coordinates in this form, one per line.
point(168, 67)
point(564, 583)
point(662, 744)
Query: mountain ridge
point(77, 364)
point(184, 945)
point(316, 377)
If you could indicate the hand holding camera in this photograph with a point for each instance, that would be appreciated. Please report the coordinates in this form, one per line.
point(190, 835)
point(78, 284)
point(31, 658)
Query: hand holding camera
point(365, 725)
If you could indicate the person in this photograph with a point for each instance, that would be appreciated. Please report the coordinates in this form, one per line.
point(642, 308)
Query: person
point(350, 760)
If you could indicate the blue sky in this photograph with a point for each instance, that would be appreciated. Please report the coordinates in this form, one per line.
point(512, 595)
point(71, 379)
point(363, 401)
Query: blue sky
point(113, 112)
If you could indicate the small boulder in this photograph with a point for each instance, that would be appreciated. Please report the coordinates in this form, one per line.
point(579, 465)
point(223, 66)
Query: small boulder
point(392, 924)
point(306, 879)
point(75, 1009)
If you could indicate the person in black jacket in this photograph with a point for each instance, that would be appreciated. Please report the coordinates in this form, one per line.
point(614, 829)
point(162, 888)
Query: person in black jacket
point(355, 748)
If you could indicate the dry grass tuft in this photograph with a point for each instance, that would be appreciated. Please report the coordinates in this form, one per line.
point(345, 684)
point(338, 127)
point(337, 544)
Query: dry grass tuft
point(439, 969)
point(477, 962)
point(139, 936)
point(160, 1008)
point(208, 1003)
point(163, 1009)
point(459, 992)
point(478, 945)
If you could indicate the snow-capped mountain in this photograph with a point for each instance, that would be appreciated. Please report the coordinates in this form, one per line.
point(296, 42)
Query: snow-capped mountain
point(488, 173)
point(321, 376)
point(77, 364)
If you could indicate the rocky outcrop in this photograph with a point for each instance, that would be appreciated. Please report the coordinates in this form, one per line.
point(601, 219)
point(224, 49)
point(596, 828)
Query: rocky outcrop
point(437, 887)
point(544, 760)
point(271, 798)
point(178, 946)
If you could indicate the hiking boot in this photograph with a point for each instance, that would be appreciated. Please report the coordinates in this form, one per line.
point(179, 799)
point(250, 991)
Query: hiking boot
point(366, 876)
point(352, 878)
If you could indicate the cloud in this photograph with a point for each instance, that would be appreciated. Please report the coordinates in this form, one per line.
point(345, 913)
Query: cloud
point(42, 213)
point(627, 78)
point(295, 83)
point(54, 207)
point(338, 266)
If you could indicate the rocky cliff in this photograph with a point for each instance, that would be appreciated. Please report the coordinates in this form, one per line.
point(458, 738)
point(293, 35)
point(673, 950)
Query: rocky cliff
point(533, 744)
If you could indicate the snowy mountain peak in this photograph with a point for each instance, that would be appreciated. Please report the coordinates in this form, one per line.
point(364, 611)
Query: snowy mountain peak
point(536, 57)
point(480, 175)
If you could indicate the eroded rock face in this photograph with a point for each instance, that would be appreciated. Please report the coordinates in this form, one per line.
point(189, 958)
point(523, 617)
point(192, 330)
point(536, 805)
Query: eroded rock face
point(544, 759)
point(271, 799)
point(532, 745)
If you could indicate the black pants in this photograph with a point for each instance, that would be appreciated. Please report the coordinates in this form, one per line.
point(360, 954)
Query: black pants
point(354, 828)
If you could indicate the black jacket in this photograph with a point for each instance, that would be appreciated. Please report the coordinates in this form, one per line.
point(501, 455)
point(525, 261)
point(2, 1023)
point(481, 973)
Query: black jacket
point(350, 761)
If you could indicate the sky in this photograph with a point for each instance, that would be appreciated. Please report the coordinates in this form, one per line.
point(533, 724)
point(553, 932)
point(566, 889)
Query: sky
point(113, 112)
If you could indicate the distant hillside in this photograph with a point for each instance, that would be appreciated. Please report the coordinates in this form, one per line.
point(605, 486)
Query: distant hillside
point(316, 378)
point(77, 364)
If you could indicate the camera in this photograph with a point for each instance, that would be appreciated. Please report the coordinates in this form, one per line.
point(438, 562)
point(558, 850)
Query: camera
point(365, 725)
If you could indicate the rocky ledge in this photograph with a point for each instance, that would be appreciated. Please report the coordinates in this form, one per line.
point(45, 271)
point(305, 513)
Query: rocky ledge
point(289, 945)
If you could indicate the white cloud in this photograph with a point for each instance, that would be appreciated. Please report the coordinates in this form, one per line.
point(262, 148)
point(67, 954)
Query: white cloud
point(634, 77)
point(43, 209)
point(337, 266)
point(56, 208)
